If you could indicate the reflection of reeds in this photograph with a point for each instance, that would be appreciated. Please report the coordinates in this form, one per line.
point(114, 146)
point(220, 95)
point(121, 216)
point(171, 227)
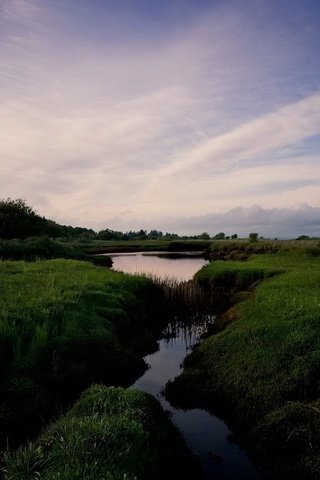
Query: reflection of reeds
point(189, 331)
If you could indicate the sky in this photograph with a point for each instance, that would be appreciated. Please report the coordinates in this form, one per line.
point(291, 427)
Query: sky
point(181, 115)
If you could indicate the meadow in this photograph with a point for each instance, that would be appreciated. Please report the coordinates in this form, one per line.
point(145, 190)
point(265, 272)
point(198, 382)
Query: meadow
point(64, 325)
point(262, 369)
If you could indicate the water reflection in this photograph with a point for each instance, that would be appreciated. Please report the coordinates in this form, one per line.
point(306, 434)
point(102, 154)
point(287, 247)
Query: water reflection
point(179, 265)
point(207, 435)
point(188, 332)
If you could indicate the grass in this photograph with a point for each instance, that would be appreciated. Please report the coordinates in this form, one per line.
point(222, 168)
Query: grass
point(37, 248)
point(110, 433)
point(263, 370)
point(65, 324)
point(241, 249)
point(113, 246)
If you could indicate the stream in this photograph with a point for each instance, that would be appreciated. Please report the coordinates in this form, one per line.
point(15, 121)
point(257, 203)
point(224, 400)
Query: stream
point(206, 435)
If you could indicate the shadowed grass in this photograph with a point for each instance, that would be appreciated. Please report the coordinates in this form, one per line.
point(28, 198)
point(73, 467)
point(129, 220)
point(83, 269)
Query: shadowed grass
point(110, 433)
point(63, 325)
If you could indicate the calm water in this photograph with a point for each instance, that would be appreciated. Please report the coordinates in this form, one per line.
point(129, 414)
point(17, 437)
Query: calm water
point(207, 435)
point(159, 263)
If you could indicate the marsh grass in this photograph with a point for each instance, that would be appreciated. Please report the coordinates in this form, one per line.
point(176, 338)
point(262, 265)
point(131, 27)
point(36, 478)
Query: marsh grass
point(65, 324)
point(40, 248)
point(110, 433)
point(187, 300)
point(243, 249)
point(266, 359)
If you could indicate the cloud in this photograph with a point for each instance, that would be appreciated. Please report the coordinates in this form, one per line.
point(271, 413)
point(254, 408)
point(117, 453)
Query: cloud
point(98, 115)
point(275, 222)
point(286, 126)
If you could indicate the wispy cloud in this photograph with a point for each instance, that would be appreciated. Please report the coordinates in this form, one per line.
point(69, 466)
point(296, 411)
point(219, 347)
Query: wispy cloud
point(99, 115)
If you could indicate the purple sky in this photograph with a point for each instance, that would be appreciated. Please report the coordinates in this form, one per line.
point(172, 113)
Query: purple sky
point(181, 115)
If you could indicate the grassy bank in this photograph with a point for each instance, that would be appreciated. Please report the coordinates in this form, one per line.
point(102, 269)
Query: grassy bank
point(242, 249)
point(112, 246)
point(37, 248)
point(63, 325)
point(111, 434)
point(263, 370)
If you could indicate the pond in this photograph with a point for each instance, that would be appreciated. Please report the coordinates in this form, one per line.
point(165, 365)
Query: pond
point(180, 265)
point(207, 435)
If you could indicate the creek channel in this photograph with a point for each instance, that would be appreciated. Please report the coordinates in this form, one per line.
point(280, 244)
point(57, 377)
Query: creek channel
point(207, 436)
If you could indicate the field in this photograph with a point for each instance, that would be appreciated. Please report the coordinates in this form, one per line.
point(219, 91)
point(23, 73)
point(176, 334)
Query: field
point(263, 370)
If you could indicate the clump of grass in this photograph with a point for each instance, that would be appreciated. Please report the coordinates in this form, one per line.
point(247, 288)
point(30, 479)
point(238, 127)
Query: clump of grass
point(110, 433)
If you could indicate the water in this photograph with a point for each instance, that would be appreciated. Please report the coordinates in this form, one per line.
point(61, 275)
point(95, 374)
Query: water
point(207, 435)
point(181, 266)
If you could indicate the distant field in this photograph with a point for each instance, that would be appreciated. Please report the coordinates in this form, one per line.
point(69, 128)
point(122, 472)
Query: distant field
point(99, 246)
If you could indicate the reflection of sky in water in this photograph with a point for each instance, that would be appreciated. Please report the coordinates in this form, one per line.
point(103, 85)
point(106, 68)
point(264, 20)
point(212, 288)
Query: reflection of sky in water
point(202, 431)
point(180, 268)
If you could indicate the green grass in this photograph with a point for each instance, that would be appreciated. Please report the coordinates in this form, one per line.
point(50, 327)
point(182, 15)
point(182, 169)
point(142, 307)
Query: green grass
point(241, 249)
point(65, 324)
point(111, 434)
point(265, 367)
point(109, 246)
point(37, 248)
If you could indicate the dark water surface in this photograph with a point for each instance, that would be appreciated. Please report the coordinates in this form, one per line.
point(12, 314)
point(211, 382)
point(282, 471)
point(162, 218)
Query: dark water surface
point(206, 434)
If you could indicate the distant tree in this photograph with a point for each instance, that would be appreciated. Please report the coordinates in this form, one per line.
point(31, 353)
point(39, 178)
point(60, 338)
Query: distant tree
point(234, 236)
point(108, 234)
point(19, 220)
point(53, 229)
point(303, 237)
point(253, 237)
point(170, 236)
point(204, 236)
point(228, 238)
point(220, 236)
point(155, 234)
point(142, 234)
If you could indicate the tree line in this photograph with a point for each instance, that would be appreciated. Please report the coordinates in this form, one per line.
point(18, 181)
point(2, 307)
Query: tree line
point(19, 220)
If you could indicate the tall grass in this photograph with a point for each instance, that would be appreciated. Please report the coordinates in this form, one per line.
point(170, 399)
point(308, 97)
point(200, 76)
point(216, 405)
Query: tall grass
point(63, 325)
point(263, 370)
point(110, 433)
point(187, 299)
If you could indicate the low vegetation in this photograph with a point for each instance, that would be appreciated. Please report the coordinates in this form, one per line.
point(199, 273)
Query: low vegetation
point(242, 249)
point(65, 324)
point(39, 248)
point(111, 434)
point(263, 370)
